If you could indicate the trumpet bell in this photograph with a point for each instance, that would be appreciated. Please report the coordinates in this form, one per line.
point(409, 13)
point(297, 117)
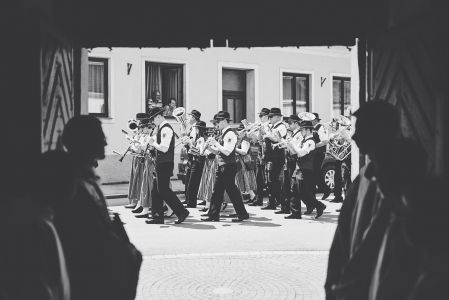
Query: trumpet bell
point(133, 125)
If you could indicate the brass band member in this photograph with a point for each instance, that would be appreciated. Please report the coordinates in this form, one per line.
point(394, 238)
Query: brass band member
point(306, 153)
point(321, 140)
point(196, 162)
point(245, 178)
point(164, 146)
point(274, 157)
point(192, 118)
point(260, 164)
point(225, 174)
point(292, 202)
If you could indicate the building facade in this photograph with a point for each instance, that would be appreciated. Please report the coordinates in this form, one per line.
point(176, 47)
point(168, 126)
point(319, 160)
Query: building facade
point(124, 81)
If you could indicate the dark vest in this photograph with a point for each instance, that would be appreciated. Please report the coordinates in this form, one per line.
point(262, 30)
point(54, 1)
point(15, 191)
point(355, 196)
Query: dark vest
point(271, 153)
point(223, 159)
point(292, 158)
point(316, 138)
point(306, 162)
point(170, 154)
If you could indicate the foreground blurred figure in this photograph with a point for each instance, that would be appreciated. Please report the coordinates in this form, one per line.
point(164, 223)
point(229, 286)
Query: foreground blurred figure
point(102, 263)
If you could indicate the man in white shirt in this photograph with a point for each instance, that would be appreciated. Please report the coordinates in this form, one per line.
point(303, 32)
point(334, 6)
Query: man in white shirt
point(306, 153)
point(226, 171)
point(164, 145)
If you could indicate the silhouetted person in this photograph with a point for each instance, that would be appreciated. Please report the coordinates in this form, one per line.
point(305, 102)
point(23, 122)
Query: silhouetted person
point(365, 212)
point(102, 263)
point(33, 264)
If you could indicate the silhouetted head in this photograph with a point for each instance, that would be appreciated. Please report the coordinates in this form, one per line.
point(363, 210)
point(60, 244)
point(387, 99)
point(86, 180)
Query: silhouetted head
point(377, 126)
point(56, 178)
point(84, 138)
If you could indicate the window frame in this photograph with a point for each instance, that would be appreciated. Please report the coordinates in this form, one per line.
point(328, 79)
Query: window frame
point(239, 94)
point(107, 112)
point(342, 79)
point(294, 75)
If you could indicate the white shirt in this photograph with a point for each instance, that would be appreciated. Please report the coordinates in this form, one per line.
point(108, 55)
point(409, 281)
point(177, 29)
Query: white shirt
point(166, 136)
point(229, 141)
point(245, 146)
point(307, 147)
point(282, 129)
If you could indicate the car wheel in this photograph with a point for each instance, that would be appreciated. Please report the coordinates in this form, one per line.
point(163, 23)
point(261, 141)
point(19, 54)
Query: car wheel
point(328, 173)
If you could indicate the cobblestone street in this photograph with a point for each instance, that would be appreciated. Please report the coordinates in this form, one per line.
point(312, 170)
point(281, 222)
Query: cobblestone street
point(266, 257)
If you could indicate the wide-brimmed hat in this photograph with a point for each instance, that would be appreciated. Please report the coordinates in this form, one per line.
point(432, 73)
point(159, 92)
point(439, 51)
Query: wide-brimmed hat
point(264, 112)
point(275, 112)
point(317, 116)
point(196, 114)
point(155, 111)
point(294, 118)
point(200, 124)
point(222, 115)
point(306, 124)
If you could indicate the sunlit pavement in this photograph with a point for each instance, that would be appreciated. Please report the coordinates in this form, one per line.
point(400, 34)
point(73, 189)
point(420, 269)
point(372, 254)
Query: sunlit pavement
point(266, 257)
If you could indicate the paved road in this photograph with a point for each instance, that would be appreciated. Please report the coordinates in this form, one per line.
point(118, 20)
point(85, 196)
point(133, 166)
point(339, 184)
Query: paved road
point(266, 257)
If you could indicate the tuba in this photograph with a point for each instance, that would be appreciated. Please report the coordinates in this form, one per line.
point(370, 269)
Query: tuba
point(339, 146)
point(180, 115)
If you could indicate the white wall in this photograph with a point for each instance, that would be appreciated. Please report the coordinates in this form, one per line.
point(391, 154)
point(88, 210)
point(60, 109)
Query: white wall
point(202, 78)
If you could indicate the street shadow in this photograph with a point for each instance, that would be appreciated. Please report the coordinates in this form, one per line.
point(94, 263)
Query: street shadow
point(327, 217)
point(259, 224)
point(194, 224)
point(259, 218)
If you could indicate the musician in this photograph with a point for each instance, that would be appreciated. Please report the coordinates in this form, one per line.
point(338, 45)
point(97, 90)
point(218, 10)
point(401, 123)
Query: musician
point(306, 152)
point(257, 136)
point(137, 165)
point(321, 140)
point(164, 146)
point(225, 174)
point(192, 118)
point(291, 201)
point(245, 178)
point(197, 162)
point(274, 157)
point(340, 136)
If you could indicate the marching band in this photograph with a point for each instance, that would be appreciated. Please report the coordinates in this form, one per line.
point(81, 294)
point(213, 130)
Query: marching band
point(277, 156)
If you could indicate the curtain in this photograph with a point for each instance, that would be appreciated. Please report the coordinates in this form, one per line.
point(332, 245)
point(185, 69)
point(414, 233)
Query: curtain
point(172, 85)
point(153, 79)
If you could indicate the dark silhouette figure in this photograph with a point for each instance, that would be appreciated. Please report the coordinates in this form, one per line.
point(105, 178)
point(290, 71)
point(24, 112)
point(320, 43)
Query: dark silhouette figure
point(102, 263)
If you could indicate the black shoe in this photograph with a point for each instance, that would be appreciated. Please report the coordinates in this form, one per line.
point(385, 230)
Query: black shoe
point(205, 215)
point(204, 209)
point(308, 211)
point(132, 206)
point(231, 216)
point(182, 217)
point(209, 219)
point(138, 210)
point(143, 216)
point(319, 211)
point(155, 221)
point(271, 207)
point(293, 216)
point(279, 212)
point(325, 195)
point(240, 219)
point(202, 203)
point(337, 200)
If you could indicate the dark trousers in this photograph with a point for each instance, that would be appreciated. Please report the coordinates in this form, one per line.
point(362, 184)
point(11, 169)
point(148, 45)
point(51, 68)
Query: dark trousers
point(274, 182)
point(186, 181)
point(288, 186)
point(225, 181)
point(295, 197)
point(162, 192)
point(196, 171)
point(307, 190)
point(338, 180)
point(318, 178)
point(260, 180)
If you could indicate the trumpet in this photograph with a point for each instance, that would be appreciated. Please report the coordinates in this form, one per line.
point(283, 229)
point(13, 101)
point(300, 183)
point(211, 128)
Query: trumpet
point(180, 115)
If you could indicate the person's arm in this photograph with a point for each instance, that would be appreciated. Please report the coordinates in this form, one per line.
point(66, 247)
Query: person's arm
point(244, 148)
point(229, 141)
point(306, 149)
point(166, 136)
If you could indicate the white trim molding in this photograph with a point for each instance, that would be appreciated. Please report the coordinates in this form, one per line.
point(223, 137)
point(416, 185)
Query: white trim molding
point(237, 66)
point(311, 85)
point(156, 59)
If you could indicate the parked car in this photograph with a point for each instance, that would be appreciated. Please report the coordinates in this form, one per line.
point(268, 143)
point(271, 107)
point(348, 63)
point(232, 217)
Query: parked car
point(328, 171)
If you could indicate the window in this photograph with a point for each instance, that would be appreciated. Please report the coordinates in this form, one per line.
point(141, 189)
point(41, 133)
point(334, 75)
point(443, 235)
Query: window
point(234, 93)
point(98, 93)
point(341, 94)
point(163, 82)
point(296, 95)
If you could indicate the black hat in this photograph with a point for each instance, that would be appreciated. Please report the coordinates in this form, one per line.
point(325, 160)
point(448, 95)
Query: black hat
point(196, 114)
point(222, 115)
point(317, 116)
point(274, 112)
point(155, 111)
point(294, 118)
point(241, 127)
point(306, 124)
point(264, 112)
point(142, 116)
point(200, 124)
